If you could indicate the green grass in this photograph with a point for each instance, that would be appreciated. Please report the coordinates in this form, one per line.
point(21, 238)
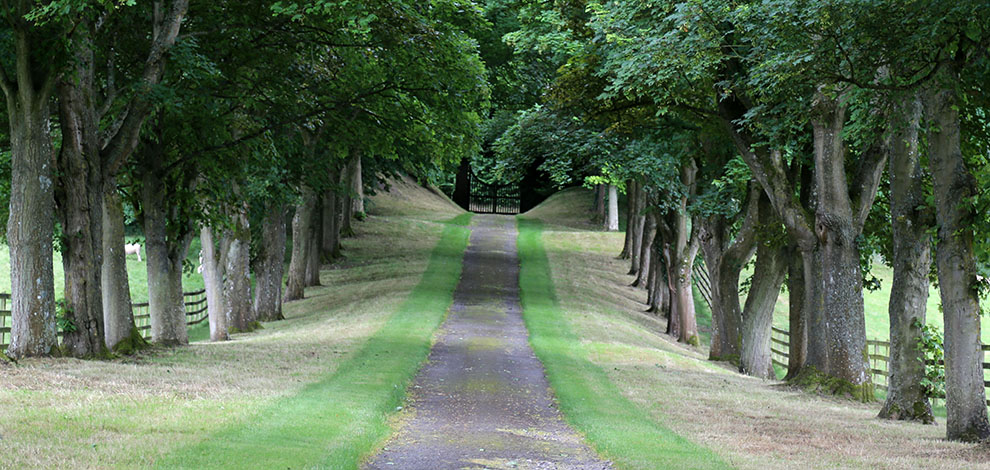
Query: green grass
point(335, 422)
point(592, 403)
point(137, 274)
point(875, 307)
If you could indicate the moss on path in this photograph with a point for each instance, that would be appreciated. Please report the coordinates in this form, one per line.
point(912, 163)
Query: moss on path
point(483, 400)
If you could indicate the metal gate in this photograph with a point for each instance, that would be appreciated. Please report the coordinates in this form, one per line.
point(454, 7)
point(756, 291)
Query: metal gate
point(493, 198)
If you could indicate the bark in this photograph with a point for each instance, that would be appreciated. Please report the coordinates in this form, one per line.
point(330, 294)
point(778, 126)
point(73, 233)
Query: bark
point(313, 261)
point(630, 213)
point(651, 279)
point(237, 274)
point(599, 208)
point(833, 294)
point(797, 321)
point(842, 322)
point(725, 255)
point(269, 266)
point(29, 228)
point(679, 257)
point(88, 157)
point(906, 398)
point(357, 184)
point(79, 202)
point(347, 181)
point(330, 243)
point(613, 209)
point(301, 231)
point(167, 238)
point(757, 315)
point(646, 248)
point(965, 401)
point(213, 282)
point(637, 222)
point(118, 316)
point(669, 292)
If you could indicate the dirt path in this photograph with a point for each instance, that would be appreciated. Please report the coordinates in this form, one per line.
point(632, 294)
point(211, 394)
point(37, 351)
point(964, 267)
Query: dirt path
point(482, 401)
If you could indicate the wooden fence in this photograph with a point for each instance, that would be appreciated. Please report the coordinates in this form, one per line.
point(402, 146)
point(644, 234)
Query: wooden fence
point(699, 274)
point(195, 304)
point(878, 353)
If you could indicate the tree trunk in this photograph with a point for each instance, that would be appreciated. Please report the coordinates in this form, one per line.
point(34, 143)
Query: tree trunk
point(269, 266)
point(357, 184)
point(313, 261)
point(347, 181)
point(237, 275)
point(646, 248)
point(685, 249)
point(630, 213)
point(301, 231)
point(118, 316)
point(652, 286)
point(166, 251)
point(332, 203)
point(757, 316)
point(725, 257)
point(599, 208)
point(613, 209)
point(330, 244)
point(906, 399)
point(636, 223)
point(79, 202)
point(965, 401)
point(843, 325)
point(684, 293)
point(833, 280)
point(797, 346)
point(670, 294)
point(213, 282)
point(768, 276)
point(29, 228)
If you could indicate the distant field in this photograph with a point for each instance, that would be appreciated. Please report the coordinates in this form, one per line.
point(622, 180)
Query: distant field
point(875, 306)
point(137, 274)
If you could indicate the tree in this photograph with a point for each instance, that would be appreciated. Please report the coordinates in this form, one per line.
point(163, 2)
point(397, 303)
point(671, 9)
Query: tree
point(28, 84)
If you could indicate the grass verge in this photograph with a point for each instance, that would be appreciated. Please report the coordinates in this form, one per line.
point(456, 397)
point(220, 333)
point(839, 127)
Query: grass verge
point(616, 427)
point(335, 422)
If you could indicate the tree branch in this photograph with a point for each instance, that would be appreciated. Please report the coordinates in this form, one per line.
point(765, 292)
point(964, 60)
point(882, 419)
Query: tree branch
point(125, 139)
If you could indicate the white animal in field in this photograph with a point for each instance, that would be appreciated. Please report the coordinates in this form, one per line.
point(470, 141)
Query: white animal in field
point(199, 268)
point(133, 249)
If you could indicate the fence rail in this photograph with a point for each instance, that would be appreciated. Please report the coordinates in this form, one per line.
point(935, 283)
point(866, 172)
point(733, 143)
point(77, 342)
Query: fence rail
point(195, 305)
point(699, 274)
point(878, 355)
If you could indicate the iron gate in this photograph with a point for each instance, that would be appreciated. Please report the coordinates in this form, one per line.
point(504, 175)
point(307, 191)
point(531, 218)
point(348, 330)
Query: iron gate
point(493, 198)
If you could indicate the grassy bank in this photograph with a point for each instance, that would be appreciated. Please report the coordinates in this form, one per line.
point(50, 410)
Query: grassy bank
point(749, 423)
point(134, 412)
point(616, 427)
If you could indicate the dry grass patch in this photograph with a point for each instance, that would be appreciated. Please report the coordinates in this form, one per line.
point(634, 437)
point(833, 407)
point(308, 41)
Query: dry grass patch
point(126, 413)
